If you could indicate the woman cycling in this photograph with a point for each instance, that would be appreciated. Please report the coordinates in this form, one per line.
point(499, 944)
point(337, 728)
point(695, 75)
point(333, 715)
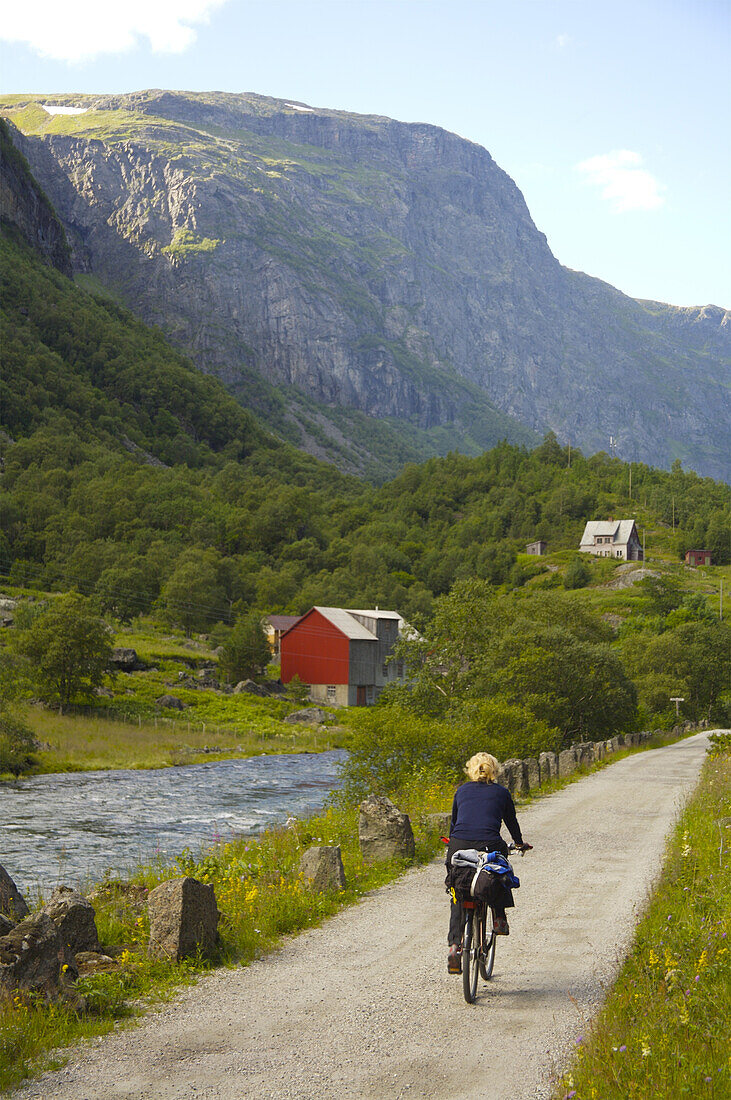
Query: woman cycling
point(480, 807)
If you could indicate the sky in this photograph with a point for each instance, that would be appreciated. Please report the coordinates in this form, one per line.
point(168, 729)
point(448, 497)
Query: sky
point(612, 117)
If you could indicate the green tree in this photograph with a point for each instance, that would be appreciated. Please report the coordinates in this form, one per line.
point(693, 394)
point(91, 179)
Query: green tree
point(577, 574)
point(692, 660)
point(246, 652)
point(297, 691)
point(67, 650)
point(125, 591)
point(193, 596)
point(17, 745)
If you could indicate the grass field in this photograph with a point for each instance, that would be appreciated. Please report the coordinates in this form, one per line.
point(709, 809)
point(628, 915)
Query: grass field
point(665, 1030)
point(81, 743)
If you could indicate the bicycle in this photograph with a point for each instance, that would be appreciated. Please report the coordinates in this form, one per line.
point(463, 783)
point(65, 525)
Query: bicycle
point(478, 950)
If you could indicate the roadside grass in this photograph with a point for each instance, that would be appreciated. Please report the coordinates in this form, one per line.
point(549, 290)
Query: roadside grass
point(261, 897)
point(664, 1030)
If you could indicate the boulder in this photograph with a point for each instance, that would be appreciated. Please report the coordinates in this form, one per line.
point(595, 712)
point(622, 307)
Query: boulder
point(548, 766)
point(31, 956)
point(6, 925)
point(513, 776)
point(12, 902)
point(322, 867)
point(94, 962)
point(532, 773)
point(74, 917)
point(170, 701)
point(599, 750)
point(383, 831)
point(183, 919)
point(441, 823)
point(125, 659)
point(250, 687)
point(313, 715)
point(584, 752)
point(566, 762)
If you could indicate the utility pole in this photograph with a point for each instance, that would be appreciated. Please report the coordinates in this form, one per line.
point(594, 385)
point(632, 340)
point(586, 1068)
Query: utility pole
point(630, 481)
point(569, 456)
point(720, 606)
point(643, 545)
point(673, 515)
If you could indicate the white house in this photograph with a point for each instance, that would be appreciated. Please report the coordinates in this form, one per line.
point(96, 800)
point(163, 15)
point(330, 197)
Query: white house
point(612, 538)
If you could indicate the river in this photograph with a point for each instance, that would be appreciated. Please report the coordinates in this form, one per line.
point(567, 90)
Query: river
point(73, 827)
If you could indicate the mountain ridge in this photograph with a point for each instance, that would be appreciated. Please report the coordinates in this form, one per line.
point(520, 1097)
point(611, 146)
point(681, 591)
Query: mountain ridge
point(388, 267)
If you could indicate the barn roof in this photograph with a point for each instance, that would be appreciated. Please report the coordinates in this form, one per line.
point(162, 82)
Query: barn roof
point(346, 622)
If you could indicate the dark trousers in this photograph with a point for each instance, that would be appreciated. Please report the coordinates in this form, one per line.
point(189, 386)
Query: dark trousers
point(456, 913)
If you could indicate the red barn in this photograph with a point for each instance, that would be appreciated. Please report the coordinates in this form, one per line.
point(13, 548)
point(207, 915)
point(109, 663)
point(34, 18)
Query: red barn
point(342, 655)
point(698, 557)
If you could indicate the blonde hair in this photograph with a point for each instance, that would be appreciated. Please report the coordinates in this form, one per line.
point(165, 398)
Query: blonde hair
point(482, 768)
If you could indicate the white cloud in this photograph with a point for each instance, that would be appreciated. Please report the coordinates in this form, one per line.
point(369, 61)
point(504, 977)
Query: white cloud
point(562, 40)
point(623, 181)
point(79, 30)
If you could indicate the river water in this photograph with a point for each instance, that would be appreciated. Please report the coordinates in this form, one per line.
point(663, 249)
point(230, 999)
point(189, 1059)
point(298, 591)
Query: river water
point(74, 826)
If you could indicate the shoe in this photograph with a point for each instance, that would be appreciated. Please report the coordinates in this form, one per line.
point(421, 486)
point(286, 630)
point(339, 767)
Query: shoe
point(500, 926)
point(454, 960)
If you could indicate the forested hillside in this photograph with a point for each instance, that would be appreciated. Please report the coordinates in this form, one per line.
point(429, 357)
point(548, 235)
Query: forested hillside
point(131, 477)
point(127, 473)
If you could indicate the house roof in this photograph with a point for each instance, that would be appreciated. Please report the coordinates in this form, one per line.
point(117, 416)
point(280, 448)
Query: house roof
point(282, 622)
point(619, 529)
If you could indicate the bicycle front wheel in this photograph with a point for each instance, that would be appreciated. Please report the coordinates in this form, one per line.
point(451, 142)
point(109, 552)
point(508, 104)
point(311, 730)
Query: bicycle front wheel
point(471, 945)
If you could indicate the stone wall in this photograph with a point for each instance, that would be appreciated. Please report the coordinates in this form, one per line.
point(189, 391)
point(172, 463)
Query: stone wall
point(523, 776)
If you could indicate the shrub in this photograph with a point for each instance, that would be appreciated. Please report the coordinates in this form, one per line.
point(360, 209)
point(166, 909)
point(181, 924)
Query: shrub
point(16, 745)
point(391, 743)
point(577, 574)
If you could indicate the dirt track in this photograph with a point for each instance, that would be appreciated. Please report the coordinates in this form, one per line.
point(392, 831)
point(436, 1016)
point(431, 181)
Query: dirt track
point(364, 1008)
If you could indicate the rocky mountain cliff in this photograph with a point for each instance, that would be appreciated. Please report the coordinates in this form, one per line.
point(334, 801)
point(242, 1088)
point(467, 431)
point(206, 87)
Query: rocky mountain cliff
point(24, 206)
point(373, 265)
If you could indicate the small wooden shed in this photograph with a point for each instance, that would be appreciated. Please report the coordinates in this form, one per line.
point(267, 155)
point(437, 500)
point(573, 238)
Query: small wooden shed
point(698, 557)
point(538, 548)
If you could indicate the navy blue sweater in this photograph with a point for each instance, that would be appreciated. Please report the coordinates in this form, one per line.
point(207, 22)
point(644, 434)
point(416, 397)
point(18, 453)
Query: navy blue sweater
point(478, 811)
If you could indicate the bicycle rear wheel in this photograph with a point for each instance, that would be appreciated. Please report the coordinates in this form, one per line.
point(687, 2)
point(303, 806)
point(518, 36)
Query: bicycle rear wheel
point(487, 955)
point(471, 944)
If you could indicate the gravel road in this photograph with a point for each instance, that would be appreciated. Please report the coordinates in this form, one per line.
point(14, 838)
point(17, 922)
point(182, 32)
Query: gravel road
point(364, 1007)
